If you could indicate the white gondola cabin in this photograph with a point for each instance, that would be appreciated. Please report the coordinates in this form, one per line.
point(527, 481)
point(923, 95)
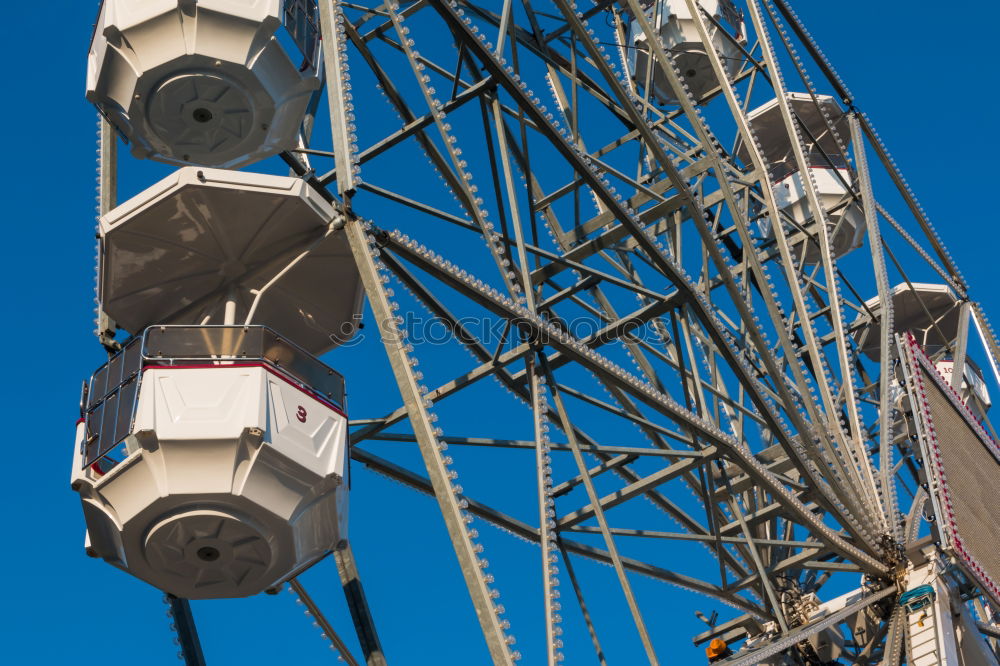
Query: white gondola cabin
point(212, 460)
point(818, 120)
point(678, 33)
point(931, 313)
point(203, 81)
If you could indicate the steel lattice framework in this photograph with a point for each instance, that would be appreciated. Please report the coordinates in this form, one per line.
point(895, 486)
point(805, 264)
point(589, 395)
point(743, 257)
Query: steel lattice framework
point(658, 345)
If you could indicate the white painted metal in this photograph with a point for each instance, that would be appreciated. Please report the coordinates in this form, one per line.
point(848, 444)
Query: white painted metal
point(811, 113)
point(845, 217)
point(911, 304)
point(179, 251)
point(972, 647)
point(233, 482)
point(678, 33)
point(973, 388)
point(930, 631)
point(198, 82)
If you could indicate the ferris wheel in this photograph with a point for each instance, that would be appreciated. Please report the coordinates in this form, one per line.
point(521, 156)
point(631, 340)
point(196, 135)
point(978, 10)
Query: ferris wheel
point(641, 272)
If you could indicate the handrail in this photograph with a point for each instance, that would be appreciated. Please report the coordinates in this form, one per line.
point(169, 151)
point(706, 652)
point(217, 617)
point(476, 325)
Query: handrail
point(112, 393)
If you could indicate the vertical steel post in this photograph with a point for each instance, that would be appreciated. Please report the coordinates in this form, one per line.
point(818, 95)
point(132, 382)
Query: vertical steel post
point(961, 346)
point(595, 501)
point(107, 199)
point(338, 94)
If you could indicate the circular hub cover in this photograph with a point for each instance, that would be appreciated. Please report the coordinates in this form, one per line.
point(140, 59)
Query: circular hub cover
point(204, 117)
point(203, 553)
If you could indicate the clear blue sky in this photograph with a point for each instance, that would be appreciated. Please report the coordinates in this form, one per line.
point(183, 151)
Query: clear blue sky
point(926, 76)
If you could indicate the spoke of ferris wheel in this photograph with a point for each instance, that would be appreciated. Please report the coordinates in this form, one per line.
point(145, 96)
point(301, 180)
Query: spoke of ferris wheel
point(601, 519)
point(539, 406)
point(441, 478)
point(525, 531)
point(546, 508)
point(668, 67)
point(584, 356)
point(883, 154)
point(682, 536)
point(338, 95)
point(630, 452)
point(886, 484)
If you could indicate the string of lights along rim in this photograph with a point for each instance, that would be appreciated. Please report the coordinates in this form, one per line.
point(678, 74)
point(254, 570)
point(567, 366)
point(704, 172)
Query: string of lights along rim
point(644, 330)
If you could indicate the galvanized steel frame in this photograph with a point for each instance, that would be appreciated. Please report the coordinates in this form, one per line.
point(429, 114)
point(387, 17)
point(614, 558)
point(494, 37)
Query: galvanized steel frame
point(709, 337)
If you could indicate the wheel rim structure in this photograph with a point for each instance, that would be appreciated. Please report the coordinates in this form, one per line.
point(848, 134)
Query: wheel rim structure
point(689, 390)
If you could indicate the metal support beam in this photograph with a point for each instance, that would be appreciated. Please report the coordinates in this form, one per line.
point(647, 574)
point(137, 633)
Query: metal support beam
point(338, 94)
point(357, 603)
point(417, 408)
point(328, 631)
point(787, 640)
point(107, 199)
point(187, 632)
point(602, 521)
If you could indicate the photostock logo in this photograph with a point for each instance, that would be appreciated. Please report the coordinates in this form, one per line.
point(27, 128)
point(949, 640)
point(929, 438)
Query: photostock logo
point(490, 331)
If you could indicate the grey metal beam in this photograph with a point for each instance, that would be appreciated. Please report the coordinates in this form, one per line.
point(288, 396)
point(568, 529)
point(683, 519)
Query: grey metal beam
point(329, 632)
point(626, 451)
point(187, 632)
point(107, 199)
point(338, 94)
point(357, 603)
point(417, 409)
point(598, 512)
point(636, 488)
point(523, 530)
